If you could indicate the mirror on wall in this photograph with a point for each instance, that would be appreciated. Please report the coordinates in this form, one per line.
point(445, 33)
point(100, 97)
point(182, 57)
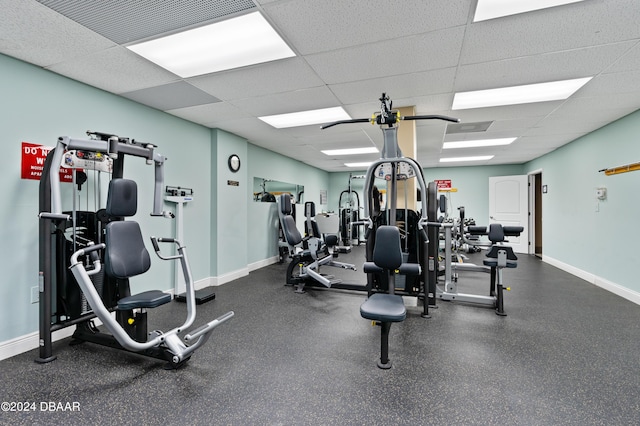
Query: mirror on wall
point(267, 190)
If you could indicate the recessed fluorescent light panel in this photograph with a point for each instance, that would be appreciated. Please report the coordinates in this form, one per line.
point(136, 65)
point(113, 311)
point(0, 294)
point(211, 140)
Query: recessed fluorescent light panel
point(350, 151)
point(464, 159)
point(306, 118)
point(490, 9)
point(234, 43)
point(366, 164)
point(478, 143)
point(541, 92)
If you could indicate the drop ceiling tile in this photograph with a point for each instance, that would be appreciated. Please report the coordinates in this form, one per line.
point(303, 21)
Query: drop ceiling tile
point(171, 96)
point(264, 79)
point(398, 87)
point(210, 115)
point(554, 126)
point(630, 61)
point(331, 138)
point(294, 101)
point(430, 104)
point(540, 68)
point(481, 136)
point(514, 125)
point(249, 127)
point(395, 57)
point(567, 27)
point(538, 144)
point(36, 34)
point(430, 137)
point(116, 70)
point(508, 112)
point(611, 83)
point(319, 26)
point(597, 104)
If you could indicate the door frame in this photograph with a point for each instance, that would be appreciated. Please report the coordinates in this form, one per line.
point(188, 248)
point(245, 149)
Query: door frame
point(535, 211)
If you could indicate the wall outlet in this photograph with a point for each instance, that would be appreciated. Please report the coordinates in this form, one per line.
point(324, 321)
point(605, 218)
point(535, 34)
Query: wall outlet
point(35, 294)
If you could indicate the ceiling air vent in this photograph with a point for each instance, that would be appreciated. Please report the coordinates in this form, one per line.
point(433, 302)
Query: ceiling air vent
point(479, 126)
point(126, 21)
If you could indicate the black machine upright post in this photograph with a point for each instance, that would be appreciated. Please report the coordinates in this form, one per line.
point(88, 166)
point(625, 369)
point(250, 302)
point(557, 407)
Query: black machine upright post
point(45, 269)
point(433, 244)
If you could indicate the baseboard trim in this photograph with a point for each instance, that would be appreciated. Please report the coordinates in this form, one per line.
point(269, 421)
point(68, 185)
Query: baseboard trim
point(614, 288)
point(22, 344)
point(262, 263)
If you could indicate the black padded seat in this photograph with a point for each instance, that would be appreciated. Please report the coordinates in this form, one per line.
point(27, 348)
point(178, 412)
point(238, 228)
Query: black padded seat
point(384, 308)
point(494, 263)
point(147, 299)
point(493, 257)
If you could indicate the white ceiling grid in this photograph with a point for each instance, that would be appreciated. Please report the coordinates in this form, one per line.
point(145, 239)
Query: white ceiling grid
point(348, 53)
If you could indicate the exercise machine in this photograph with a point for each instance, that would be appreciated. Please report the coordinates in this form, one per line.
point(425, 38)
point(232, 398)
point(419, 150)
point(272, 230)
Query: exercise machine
point(394, 167)
point(499, 256)
point(349, 211)
point(86, 258)
point(310, 253)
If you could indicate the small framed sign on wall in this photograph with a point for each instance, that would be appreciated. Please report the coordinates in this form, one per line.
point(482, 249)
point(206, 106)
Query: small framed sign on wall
point(323, 197)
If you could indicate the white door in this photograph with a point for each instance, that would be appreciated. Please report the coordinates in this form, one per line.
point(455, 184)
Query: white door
point(509, 206)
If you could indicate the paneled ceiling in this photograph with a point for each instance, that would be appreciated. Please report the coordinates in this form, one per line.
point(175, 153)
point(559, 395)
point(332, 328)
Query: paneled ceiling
point(347, 53)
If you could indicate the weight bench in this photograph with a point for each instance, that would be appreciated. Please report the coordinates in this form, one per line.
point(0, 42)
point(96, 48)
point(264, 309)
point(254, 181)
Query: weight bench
point(386, 308)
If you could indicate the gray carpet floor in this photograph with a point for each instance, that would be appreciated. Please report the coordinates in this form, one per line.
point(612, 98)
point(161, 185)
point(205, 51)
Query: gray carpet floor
point(567, 353)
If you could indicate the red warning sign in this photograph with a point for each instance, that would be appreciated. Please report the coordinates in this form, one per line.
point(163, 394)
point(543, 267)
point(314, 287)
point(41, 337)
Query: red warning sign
point(33, 156)
point(443, 183)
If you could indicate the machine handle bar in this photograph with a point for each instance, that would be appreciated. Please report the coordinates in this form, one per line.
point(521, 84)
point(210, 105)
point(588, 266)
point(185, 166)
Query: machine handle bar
point(355, 120)
point(430, 117)
point(391, 119)
point(156, 247)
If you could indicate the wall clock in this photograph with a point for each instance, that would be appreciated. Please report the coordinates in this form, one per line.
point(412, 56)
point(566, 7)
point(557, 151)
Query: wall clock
point(234, 163)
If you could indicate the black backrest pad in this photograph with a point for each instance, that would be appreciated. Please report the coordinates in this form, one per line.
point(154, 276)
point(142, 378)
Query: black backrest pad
point(387, 252)
point(309, 209)
point(285, 203)
point(496, 234)
point(291, 233)
point(122, 200)
point(125, 253)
